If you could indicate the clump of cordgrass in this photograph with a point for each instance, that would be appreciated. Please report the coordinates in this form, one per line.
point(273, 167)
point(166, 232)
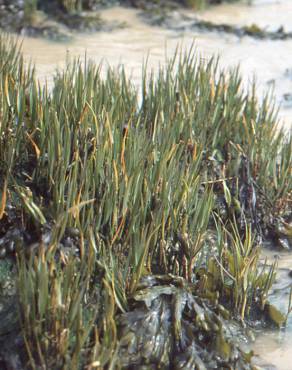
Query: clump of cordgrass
point(142, 185)
point(63, 306)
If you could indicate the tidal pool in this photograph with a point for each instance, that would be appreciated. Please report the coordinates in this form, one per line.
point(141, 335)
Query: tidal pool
point(269, 62)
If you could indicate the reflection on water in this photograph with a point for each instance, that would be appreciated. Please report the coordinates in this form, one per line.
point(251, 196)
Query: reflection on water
point(269, 61)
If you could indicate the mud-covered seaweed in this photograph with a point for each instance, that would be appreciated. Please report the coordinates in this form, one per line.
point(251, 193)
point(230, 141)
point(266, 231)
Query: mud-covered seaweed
point(171, 326)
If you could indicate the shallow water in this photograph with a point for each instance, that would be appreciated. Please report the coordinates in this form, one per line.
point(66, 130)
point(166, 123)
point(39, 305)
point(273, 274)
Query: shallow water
point(269, 61)
point(268, 14)
point(274, 346)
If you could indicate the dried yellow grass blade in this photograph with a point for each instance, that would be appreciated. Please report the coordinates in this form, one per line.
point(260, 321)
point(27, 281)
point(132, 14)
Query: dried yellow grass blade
point(110, 135)
point(3, 200)
point(170, 154)
point(85, 109)
point(36, 148)
point(116, 175)
point(245, 125)
point(123, 163)
point(76, 207)
point(118, 229)
point(6, 90)
point(75, 211)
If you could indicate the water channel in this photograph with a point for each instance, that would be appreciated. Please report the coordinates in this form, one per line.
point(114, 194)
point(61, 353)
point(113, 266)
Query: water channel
point(270, 62)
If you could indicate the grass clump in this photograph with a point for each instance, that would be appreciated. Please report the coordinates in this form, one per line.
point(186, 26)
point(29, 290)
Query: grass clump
point(100, 192)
